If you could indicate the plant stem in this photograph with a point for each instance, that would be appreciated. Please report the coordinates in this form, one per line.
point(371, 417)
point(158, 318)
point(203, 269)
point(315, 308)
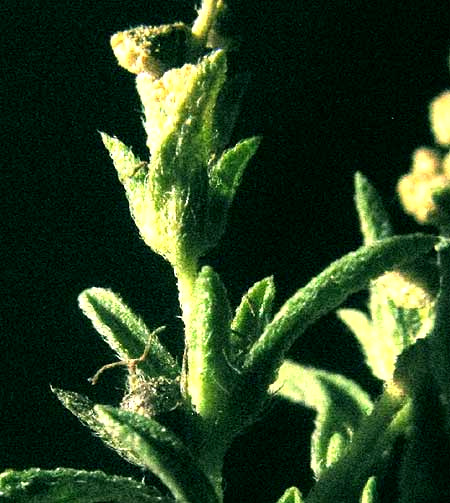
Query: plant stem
point(186, 276)
point(206, 17)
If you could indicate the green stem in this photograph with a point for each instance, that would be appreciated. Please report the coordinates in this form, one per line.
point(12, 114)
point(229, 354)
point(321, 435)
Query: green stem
point(344, 481)
point(206, 17)
point(186, 276)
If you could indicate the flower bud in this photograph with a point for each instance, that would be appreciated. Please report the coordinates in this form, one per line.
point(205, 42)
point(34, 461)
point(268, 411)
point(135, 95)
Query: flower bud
point(153, 49)
point(440, 118)
point(416, 189)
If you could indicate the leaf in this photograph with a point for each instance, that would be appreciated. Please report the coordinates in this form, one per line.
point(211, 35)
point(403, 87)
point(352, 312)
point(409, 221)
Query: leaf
point(340, 404)
point(207, 345)
point(84, 410)
point(65, 485)
point(224, 179)
point(379, 348)
point(292, 495)
point(373, 218)
point(370, 494)
point(127, 164)
point(190, 141)
point(322, 294)
point(252, 316)
point(160, 451)
point(126, 333)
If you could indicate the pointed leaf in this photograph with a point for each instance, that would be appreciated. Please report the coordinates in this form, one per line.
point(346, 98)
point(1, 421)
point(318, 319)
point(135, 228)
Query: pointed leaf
point(224, 179)
point(209, 373)
point(225, 175)
point(252, 316)
point(190, 137)
point(340, 404)
point(323, 294)
point(84, 410)
point(160, 451)
point(125, 332)
point(369, 494)
point(292, 495)
point(373, 218)
point(127, 164)
point(68, 485)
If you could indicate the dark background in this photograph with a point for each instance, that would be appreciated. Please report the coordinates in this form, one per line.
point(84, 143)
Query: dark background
point(337, 87)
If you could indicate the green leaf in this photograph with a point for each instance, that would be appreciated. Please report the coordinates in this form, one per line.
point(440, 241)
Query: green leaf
point(225, 175)
point(210, 374)
point(128, 166)
point(252, 316)
point(224, 179)
point(193, 130)
point(65, 485)
point(373, 218)
point(323, 294)
point(160, 451)
point(126, 333)
point(292, 495)
point(340, 404)
point(84, 410)
point(379, 348)
point(369, 494)
point(393, 327)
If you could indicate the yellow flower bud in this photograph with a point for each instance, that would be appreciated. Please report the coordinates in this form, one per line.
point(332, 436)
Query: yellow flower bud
point(404, 290)
point(417, 187)
point(426, 160)
point(440, 118)
point(153, 49)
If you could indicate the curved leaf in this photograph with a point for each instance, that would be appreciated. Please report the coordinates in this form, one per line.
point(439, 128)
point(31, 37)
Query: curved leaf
point(323, 294)
point(68, 485)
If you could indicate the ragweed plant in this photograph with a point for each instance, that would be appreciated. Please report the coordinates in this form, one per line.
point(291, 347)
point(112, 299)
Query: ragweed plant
point(235, 356)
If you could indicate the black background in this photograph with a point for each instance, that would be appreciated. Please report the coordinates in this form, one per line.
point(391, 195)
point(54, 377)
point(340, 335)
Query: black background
point(337, 87)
